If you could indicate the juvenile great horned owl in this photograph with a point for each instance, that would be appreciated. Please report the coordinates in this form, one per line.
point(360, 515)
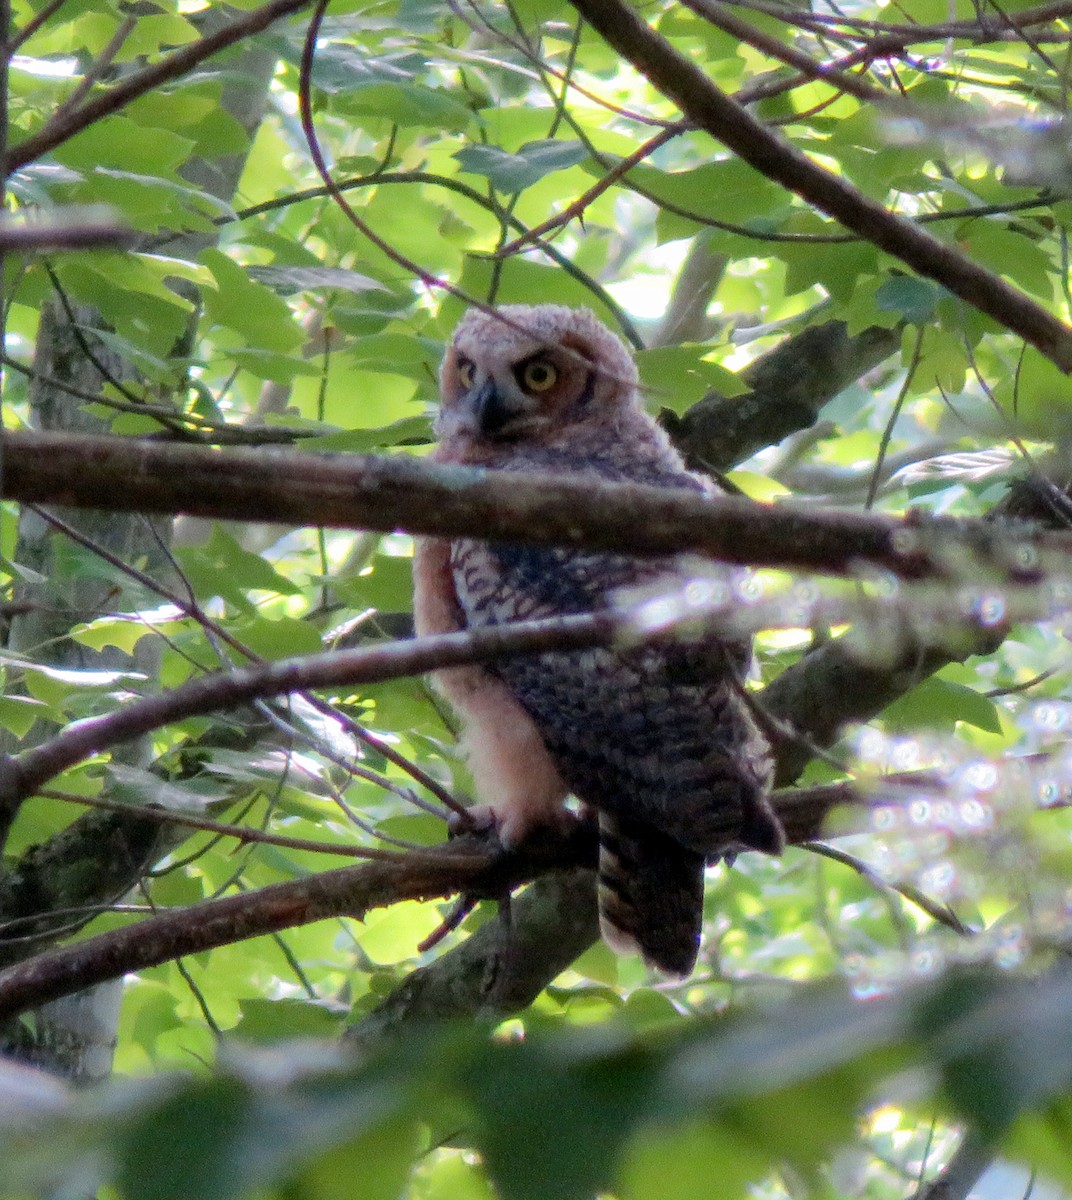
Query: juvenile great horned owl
point(656, 739)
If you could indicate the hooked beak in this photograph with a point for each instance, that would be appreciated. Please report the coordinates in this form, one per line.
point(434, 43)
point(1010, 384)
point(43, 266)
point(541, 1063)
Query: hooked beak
point(491, 411)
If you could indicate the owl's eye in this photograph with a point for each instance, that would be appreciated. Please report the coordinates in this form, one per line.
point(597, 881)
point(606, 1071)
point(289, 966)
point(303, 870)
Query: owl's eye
point(466, 374)
point(538, 375)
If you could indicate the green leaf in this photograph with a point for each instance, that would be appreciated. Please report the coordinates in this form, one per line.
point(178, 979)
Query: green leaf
point(915, 299)
point(279, 637)
point(515, 172)
point(728, 190)
point(680, 1162)
point(677, 376)
point(266, 1020)
point(250, 309)
point(120, 143)
point(190, 1142)
point(1041, 1140)
point(386, 584)
point(409, 431)
point(122, 632)
point(938, 704)
point(450, 1175)
point(574, 1111)
point(373, 1165)
point(223, 568)
point(409, 106)
point(18, 713)
point(1013, 255)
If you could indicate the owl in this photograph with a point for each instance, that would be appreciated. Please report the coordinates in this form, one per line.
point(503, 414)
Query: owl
point(656, 739)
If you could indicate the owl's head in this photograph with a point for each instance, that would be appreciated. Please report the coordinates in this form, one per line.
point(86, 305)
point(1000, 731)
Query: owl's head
point(531, 373)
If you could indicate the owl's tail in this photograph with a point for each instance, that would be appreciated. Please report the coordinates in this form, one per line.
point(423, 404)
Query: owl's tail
point(650, 894)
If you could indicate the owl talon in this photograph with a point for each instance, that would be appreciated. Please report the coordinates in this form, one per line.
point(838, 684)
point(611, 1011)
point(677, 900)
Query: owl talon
point(511, 828)
point(479, 819)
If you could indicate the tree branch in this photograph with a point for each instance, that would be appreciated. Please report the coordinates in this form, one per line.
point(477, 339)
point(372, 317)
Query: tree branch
point(703, 103)
point(387, 494)
point(465, 864)
point(180, 62)
point(510, 970)
point(500, 969)
point(789, 385)
point(22, 774)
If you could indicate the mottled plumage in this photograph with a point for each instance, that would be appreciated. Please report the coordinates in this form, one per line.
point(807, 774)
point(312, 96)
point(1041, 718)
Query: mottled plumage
point(657, 739)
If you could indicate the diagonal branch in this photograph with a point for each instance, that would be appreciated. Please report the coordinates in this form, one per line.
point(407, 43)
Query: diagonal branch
point(22, 774)
point(65, 124)
point(710, 109)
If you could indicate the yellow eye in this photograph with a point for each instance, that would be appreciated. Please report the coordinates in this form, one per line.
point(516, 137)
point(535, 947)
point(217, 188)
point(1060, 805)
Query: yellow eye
point(466, 374)
point(538, 375)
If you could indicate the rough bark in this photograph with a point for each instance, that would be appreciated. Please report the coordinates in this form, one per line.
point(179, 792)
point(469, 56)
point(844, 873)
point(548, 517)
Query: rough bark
point(787, 388)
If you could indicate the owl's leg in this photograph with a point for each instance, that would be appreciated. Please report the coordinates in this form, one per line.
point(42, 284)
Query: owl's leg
point(515, 779)
point(516, 782)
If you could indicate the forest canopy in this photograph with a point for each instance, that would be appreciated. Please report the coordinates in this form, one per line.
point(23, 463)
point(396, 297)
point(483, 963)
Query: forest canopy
point(239, 953)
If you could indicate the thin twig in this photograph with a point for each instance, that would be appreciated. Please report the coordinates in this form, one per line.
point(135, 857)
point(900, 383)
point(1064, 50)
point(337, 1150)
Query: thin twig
point(576, 208)
point(180, 62)
point(100, 64)
point(242, 833)
point(934, 909)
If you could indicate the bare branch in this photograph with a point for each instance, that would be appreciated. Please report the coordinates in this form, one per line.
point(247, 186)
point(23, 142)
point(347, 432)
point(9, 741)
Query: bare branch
point(66, 228)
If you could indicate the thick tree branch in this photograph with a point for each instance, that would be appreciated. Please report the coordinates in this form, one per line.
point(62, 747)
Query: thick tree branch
point(703, 103)
point(466, 864)
point(500, 969)
point(387, 494)
point(789, 386)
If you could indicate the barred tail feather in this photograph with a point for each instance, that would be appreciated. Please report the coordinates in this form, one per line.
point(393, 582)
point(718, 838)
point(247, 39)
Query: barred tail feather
point(650, 894)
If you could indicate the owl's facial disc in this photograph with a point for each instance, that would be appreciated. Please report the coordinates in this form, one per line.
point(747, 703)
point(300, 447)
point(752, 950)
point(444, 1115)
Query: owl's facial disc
point(503, 409)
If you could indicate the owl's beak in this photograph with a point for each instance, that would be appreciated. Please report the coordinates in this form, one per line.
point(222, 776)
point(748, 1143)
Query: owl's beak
point(491, 410)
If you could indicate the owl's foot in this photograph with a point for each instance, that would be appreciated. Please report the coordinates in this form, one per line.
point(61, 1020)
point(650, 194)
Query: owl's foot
point(480, 818)
point(511, 825)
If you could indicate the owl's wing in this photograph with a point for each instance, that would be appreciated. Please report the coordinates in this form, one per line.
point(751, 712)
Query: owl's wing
point(657, 734)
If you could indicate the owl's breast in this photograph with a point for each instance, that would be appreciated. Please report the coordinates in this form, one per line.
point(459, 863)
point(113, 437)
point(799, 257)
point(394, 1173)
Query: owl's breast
point(488, 590)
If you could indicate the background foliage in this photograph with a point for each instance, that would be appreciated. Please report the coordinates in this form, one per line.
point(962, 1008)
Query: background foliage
point(878, 1019)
